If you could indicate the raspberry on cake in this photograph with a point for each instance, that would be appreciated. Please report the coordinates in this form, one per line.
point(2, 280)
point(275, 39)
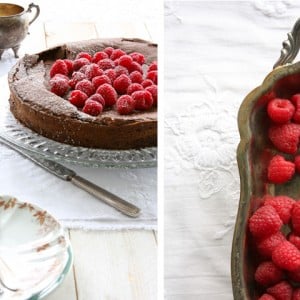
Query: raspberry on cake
point(106, 64)
point(79, 63)
point(92, 107)
point(125, 105)
point(121, 84)
point(138, 57)
point(136, 77)
point(78, 98)
point(143, 100)
point(84, 55)
point(117, 53)
point(99, 56)
point(108, 93)
point(59, 67)
point(99, 80)
point(153, 90)
point(133, 87)
point(59, 85)
point(85, 86)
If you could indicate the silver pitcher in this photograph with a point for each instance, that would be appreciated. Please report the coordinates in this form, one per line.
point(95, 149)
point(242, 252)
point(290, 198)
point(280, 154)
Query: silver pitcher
point(14, 24)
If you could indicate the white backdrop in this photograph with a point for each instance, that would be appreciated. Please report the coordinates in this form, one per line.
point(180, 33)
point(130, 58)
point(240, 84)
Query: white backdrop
point(216, 52)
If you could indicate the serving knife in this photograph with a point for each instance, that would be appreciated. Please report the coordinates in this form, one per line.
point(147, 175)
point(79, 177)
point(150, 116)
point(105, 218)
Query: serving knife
point(69, 175)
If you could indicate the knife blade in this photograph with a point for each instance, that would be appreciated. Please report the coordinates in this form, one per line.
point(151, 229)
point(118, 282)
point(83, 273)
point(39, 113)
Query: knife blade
point(69, 175)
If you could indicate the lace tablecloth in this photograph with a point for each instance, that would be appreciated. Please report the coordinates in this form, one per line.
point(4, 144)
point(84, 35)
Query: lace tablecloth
point(216, 52)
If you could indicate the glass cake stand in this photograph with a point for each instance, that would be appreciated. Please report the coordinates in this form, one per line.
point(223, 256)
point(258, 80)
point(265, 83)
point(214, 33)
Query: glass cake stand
point(30, 141)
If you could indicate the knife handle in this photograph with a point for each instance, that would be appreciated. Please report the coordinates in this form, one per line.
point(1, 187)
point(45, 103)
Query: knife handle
point(107, 197)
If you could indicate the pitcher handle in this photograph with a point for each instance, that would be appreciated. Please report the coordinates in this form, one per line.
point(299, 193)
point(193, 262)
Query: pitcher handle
point(37, 13)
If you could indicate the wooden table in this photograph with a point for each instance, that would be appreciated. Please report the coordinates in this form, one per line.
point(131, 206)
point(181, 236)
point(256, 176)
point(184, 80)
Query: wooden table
point(107, 264)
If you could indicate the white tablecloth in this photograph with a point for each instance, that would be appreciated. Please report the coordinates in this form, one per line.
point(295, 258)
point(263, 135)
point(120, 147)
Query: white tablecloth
point(216, 52)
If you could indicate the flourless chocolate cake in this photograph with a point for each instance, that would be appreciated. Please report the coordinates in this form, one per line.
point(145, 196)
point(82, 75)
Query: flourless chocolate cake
point(53, 116)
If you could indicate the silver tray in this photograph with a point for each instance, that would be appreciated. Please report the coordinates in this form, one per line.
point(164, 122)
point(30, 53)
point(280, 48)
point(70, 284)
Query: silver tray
point(30, 141)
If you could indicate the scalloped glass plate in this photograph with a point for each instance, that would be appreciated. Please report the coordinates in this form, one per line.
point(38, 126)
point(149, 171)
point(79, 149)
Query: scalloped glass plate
point(35, 253)
point(30, 141)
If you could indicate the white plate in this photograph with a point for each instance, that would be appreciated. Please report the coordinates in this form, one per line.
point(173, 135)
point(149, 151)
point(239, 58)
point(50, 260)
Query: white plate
point(34, 247)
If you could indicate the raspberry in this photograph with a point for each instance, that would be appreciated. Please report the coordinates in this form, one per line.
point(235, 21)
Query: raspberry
point(152, 75)
point(286, 256)
point(297, 163)
point(296, 294)
point(267, 274)
point(84, 55)
point(80, 62)
point(76, 77)
point(111, 73)
point(121, 84)
point(280, 170)
point(106, 63)
point(138, 57)
point(108, 93)
point(97, 98)
point(266, 297)
point(125, 61)
point(153, 90)
point(296, 218)
point(153, 66)
point(281, 291)
point(125, 105)
point(147, 82)
point(69, 64)
point(134, 87)
point(85, 86)
point(99, 80)
point(280, 110)
point(108, 51)
point(285, 137)
point(59, 85)
point(266, 246)
point(296, 101)
point(92, 71)
point(58, 67)
point(83, 69)
point(99, 55)
point(294, 239)
point(135, 67)
point(136, 77)
point(143, 100)
point(92, 108)
point(116, 54)
point(119, 70)
point(264, 222)
point(283, 206)
point(78, 98)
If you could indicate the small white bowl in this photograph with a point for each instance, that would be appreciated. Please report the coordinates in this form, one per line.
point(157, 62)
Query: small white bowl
point(34, 246)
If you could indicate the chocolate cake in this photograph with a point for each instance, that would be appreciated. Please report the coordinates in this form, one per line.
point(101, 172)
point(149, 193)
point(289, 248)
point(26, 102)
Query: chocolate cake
point(52, 116)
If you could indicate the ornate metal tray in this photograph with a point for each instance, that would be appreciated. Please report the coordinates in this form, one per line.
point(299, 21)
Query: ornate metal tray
point(253, 152)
